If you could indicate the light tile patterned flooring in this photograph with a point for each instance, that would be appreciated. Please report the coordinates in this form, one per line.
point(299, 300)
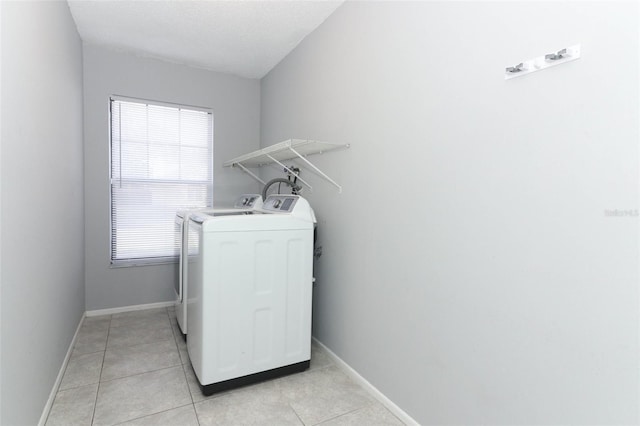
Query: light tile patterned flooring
point(132, 368)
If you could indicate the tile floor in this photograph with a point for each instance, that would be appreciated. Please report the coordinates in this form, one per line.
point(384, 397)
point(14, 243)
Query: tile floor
point(132, 368)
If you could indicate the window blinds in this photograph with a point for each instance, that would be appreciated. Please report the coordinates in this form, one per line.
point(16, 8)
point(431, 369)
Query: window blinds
point(161, 162)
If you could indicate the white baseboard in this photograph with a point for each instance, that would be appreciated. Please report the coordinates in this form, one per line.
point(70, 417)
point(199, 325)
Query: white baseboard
point(110, 311)
point(94, 313)
point(56, 385)
point(353, 374)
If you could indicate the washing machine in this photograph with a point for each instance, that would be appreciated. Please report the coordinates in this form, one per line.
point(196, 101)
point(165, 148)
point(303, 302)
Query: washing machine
point(245, 202)
point(250, 290)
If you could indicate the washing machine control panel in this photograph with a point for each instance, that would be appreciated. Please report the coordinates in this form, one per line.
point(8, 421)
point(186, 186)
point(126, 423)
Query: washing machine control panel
point(247, 200)
point(280, 203)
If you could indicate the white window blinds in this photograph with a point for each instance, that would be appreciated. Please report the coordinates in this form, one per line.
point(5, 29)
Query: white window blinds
point(161, 162)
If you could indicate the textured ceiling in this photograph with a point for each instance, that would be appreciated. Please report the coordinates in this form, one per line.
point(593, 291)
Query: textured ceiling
point(245, 38)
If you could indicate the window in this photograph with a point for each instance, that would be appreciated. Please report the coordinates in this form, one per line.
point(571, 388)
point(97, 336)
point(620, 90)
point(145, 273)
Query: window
point(161, 162)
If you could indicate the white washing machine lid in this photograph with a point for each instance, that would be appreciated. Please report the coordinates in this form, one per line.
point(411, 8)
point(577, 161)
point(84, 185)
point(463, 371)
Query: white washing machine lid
point(243, 202)
point(279, 212)
point(255, 222)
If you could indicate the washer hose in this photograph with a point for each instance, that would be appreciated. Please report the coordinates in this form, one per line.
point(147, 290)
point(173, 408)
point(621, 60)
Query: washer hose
point(294, 188)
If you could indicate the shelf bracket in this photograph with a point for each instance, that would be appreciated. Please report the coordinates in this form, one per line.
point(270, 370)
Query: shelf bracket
point(244, 169)
point(317, 169)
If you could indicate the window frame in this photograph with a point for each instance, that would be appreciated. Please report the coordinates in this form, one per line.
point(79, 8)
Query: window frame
point(148, 261)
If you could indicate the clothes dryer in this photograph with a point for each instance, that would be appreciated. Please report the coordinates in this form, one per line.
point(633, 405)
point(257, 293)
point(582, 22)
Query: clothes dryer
point(243, 203)
point(250, 290)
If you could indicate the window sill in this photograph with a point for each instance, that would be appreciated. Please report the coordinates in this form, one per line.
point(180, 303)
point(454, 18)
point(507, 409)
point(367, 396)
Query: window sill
point(117, 264)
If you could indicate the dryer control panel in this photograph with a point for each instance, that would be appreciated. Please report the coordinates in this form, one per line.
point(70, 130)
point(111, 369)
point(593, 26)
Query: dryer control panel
point(280, 203)
point(248, 200)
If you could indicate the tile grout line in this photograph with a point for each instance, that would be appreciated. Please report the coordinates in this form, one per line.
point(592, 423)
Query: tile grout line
point(175, 342)
point(128, 324)
point(191, 402)
point(138, 344)
point(185, 365)
point(104, 354)
point(152, 414)
point(101, 381)
point(138, 374)
point(296, 413)
point(186, 378)
point(182, 364)
point(130, 346)
point(343, 414)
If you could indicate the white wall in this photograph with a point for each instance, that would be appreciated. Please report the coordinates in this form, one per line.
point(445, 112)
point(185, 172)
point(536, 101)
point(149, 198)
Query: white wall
point(235, 103)
point(42, 211)
point(469, 269)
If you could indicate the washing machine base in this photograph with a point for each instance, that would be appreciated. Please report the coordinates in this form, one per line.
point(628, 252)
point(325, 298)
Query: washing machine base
point(212, 388)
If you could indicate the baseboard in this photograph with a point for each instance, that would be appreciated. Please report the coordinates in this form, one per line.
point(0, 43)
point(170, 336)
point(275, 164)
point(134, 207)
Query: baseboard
point(94, 313)
point(56, 385)
point(110, 311)
point(353, 374)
